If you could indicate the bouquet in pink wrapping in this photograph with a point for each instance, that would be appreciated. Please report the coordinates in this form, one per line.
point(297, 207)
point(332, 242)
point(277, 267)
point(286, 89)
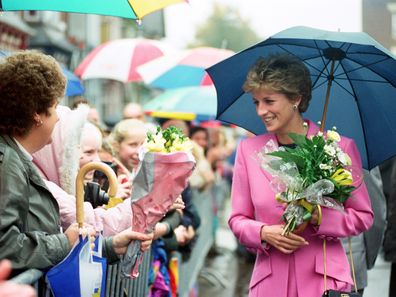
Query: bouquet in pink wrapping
point(165, 166)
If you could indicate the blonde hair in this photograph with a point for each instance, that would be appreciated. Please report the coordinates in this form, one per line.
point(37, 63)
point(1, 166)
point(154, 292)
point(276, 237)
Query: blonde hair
point(127, 128)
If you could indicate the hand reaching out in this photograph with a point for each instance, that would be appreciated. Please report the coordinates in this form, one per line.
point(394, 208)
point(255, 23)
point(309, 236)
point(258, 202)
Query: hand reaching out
point(9, 289)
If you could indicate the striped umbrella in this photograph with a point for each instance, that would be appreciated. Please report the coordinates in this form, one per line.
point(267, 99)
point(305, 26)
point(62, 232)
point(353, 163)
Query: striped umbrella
point(118, 59)
point(182, 69)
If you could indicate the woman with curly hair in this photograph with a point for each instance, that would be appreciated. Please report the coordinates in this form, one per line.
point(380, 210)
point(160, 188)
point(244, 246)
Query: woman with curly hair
point(31, 85)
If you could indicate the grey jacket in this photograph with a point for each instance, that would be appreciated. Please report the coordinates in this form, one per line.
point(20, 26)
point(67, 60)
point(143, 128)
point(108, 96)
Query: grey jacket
point(365, 246)
point(29, 215)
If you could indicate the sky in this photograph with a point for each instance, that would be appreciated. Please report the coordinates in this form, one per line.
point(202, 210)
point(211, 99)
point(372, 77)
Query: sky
point(266, 17)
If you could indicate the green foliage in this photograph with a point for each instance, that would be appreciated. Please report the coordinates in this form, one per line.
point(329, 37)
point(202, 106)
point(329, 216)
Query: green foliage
point(309, 155)
point(225, 28)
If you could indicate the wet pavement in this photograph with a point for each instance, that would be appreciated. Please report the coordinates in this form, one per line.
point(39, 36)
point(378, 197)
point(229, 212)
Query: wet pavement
point(227, 268)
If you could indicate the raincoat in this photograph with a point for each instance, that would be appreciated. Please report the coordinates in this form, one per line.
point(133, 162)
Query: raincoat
point(29, 215)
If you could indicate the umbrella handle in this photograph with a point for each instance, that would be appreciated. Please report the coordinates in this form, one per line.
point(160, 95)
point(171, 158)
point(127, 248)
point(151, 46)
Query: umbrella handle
point(106, 169)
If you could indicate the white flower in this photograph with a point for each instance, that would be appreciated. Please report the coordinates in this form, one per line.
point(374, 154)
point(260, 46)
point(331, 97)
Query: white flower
point(320, 133)
point(324, 166)
point(344, 158)
point(333, 136)
point(329, 150)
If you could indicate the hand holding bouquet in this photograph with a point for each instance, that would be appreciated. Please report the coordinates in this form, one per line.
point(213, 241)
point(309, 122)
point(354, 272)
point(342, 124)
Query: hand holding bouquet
point(315, 173)
point(162, 175)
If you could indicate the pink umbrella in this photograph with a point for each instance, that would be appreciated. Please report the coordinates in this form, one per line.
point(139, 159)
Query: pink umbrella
point(185, 69)
point(118, 59)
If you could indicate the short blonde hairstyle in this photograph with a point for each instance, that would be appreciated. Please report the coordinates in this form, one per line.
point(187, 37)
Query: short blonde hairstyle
point(126, 128)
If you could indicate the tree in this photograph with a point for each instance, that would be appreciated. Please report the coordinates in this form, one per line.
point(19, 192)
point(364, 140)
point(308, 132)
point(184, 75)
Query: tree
point(225, 28)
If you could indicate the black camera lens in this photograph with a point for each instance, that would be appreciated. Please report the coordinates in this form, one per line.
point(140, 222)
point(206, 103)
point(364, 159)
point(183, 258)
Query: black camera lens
point(95, 195)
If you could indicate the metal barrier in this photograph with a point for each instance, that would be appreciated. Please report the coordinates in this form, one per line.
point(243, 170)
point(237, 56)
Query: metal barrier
point(208, 204)
point(115, 285)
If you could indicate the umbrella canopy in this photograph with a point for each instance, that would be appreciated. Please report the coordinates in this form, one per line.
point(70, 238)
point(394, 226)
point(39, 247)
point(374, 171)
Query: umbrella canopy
point(133, 9)
point(119, 58)
point(74, 86)
point(183, 69)
point(362, 102)
point(187, 103)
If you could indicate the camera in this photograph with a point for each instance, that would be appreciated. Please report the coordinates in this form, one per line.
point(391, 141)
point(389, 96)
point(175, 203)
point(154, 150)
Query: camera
point(95, 195)
point(101, 178)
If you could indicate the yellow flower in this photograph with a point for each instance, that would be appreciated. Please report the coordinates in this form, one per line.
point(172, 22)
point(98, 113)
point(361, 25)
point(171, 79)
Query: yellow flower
point(333, 135)
point(342, 177)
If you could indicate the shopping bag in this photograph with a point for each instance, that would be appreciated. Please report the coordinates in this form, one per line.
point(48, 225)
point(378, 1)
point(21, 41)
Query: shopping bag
point(81, 274)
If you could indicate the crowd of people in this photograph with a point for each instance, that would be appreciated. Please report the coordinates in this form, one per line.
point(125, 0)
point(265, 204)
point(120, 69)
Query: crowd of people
point(43, 144)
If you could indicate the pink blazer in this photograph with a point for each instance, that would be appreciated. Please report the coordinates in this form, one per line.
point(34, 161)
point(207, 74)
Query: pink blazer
point(254, 205)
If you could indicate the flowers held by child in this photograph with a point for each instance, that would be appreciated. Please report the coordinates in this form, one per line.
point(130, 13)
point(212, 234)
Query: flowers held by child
point(316, 172)
point(166, 163)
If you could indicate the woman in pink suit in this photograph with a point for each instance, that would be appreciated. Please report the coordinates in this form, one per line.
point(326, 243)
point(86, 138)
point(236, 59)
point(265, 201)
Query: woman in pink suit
point(290, 265)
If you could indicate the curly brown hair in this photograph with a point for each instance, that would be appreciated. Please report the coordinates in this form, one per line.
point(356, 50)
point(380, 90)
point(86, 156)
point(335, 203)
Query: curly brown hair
point(282, 73)
point(30, 82)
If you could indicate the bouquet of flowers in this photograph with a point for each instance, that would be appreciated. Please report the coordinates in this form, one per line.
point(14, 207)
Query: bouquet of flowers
point(314, 173)
point(166, 163)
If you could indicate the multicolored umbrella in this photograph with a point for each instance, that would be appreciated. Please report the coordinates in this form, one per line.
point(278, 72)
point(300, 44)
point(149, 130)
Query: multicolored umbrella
point(183, 69)
point(133, 9)
point(189, 103)
point(118, 59)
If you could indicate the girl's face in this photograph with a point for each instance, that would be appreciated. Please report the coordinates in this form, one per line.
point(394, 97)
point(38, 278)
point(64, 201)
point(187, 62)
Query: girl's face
point(201, 138)
point(128, 150)
point(275, 110)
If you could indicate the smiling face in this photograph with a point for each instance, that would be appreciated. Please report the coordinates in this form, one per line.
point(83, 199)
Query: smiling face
point(128, 149)
point(277, 112)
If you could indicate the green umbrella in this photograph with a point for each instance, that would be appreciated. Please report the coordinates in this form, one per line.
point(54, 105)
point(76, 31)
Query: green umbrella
point(187, 103)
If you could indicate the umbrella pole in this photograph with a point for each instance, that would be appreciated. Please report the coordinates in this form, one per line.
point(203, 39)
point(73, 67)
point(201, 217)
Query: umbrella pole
point(330, 79)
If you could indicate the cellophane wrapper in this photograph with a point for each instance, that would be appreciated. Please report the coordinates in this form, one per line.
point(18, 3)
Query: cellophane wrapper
point(160, 179)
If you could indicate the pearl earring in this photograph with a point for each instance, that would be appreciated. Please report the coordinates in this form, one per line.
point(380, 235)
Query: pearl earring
point(295, 106)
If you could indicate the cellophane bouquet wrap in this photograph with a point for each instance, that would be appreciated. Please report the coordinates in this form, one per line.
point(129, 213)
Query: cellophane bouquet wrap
point(316, 172)
point(166, 163)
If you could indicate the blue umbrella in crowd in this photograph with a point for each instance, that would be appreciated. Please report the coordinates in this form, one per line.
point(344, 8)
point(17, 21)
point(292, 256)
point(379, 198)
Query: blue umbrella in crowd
point(74, 86)
point(354, 86)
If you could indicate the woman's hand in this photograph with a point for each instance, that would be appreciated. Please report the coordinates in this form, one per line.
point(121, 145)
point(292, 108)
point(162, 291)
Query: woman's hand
point(285, 243)
point(73, 232)
point(122, 240)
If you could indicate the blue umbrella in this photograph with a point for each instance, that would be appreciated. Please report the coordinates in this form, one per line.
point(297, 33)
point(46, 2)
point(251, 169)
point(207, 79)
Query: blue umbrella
point(355, 70)
point(74, 86)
